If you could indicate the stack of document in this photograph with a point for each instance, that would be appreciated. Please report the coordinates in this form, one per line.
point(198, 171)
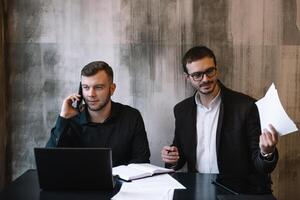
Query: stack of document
point(272, 112)
point(159, 187)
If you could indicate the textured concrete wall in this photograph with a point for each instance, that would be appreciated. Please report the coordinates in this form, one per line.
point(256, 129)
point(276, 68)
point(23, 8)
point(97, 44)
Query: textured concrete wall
point(256, 43)
point(3, 95)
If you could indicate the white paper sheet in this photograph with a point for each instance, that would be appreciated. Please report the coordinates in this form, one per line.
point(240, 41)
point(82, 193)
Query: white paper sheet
point(272, 112)
point(128, 173)
point(159, 181)
point(160, 187)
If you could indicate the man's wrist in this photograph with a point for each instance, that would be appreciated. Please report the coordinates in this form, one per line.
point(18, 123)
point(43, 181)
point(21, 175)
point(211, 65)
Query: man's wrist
point(171, 165)
point(267, 155)
point(64, 115)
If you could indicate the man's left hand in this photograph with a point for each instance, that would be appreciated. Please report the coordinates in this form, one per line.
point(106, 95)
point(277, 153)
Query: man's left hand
point(268, 140)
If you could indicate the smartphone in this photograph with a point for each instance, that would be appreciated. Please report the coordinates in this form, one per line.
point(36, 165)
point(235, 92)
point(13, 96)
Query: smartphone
point(80, 102)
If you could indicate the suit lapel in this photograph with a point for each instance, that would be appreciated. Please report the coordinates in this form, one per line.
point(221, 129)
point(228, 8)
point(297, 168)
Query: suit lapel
point(220, 120)
point(190, 136)
point(219, 127)
point(193, 135)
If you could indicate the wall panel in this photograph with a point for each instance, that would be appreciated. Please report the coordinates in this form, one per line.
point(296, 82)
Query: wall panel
point(3, 95)
point(256, 43)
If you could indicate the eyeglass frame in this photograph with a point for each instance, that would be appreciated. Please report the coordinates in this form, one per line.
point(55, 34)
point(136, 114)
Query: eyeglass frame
point(203, 73)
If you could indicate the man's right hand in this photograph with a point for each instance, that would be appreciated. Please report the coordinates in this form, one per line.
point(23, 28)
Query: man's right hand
point(67, 110)
point(170, 154)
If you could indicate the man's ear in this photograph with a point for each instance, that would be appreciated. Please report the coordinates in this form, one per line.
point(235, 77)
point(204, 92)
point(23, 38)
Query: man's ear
point(112, 88)
point(186, 76)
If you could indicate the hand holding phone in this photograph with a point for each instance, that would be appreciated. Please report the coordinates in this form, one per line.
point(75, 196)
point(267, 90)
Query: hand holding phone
point(79, 102)
point(68, 108)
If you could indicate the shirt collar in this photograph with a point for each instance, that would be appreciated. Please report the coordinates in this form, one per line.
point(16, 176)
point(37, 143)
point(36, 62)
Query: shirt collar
point(212, 104)
point(84, 117)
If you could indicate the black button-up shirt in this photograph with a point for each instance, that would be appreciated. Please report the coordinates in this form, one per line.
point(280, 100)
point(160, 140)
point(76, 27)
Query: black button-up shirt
point(123, 132)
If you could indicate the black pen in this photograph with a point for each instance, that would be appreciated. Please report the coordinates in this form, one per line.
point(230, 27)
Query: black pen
point(224, 187)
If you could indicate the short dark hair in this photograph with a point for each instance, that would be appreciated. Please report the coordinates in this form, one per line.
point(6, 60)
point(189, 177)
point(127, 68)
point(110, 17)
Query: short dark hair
point(96, 66)
point(197, 53)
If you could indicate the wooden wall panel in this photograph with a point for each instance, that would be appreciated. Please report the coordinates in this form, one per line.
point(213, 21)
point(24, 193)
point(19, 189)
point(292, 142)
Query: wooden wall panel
point(286, 177)
point(3, 96)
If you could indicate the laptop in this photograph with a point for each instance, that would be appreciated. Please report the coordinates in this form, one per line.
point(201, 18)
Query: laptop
point(74, 168)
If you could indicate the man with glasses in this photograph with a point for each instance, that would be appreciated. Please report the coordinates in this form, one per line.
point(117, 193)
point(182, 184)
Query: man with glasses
point(217, 130)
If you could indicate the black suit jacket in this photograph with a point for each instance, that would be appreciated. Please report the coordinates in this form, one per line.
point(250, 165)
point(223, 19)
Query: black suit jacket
point(237, 139)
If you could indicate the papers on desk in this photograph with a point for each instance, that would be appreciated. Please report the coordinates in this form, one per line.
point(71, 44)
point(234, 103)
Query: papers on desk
point(272, 112)
point(140, 170)
point(159, 187)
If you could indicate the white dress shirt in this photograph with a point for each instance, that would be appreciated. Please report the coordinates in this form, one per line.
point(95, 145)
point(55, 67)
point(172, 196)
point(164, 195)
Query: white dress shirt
point(207, 121)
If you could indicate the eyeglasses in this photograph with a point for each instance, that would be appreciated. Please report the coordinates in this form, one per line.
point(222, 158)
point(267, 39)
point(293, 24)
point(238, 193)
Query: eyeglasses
point(198, 76)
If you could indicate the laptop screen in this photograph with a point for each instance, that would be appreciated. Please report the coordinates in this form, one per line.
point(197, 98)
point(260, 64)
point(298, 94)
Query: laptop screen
point(74, 168)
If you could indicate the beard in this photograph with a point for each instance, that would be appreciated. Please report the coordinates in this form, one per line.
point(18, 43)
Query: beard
point(101, 105)
point(211, 84)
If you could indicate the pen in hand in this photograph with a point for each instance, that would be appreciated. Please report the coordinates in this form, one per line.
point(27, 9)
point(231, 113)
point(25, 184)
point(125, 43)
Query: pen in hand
point(170, 154)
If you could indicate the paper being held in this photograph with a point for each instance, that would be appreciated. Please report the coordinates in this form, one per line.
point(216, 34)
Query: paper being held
point(271, 112)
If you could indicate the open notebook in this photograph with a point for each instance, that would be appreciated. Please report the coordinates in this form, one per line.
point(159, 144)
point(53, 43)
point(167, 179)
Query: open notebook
point(136, 171)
